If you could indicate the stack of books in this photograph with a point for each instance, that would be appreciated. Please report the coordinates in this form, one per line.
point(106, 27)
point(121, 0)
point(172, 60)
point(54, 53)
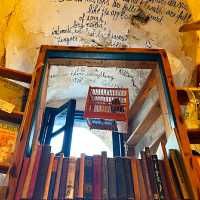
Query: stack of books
point(99, 177)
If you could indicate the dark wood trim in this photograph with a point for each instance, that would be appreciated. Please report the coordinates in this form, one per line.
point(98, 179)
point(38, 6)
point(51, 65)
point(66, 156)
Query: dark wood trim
point(15, 75)
point(46, 48)
point(103, 63)
point(148, 85)
point(142, 128)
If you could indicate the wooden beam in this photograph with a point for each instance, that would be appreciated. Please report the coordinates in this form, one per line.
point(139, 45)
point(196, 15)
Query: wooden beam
point(148, 85)
point(194, 26)
point(103, 63)
point(15, 75)
point(139, 132)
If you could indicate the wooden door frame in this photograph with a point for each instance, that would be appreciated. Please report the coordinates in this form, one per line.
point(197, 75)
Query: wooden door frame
point(155, 59)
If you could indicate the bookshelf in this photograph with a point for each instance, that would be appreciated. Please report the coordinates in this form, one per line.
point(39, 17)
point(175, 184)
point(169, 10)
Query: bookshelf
point(166, 105)
point(16, 116)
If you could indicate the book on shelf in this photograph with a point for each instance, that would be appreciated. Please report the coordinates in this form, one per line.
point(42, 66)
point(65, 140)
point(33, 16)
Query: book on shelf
point(63, 179)
point(22, 178)
point(69, 194)
point(13, 93)
point(99, 177)
point(179, 174)
point(42, 172)
point(8, 136)
point(88, 177)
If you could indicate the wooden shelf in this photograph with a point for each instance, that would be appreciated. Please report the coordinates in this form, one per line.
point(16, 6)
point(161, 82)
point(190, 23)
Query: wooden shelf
point(3, 169)
point(15, 117)
point(182, 97)
point(194, 136)
point(15, 75)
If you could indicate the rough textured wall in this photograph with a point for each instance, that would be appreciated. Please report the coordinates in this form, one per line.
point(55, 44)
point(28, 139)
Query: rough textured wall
point(128, 23)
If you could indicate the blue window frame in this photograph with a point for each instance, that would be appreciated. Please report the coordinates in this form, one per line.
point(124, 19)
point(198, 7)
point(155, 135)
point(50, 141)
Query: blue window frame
point(59, 122)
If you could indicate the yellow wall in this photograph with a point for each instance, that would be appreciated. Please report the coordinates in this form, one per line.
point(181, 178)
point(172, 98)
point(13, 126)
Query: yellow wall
point(195, 9)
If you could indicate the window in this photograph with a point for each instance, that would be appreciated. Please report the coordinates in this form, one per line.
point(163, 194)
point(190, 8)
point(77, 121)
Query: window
point(67, 132)
point(91, 142)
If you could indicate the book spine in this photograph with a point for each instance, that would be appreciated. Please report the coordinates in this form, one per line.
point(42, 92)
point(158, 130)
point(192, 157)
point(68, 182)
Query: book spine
point(69, 194)
point(112, 179)
point(174, 194)
point(76, 184)
point(179, 174)
point(164, 180)
point(142, 183)
point(146, 175)
point(48, 178)
point(96, 193)
point(135, 178)
point(151, 173)
point(104, 174)
point(129, 180)
point(121, 179)
point(42, 172)
point(63, 179)
point(81, 176)
point(53, 179)
point(58, 176)
point(22, 178)
point(88, 179)
point(158, 178)
point(35, 172)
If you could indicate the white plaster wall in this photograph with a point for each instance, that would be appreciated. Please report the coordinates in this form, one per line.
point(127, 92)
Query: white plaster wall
point(25, 25)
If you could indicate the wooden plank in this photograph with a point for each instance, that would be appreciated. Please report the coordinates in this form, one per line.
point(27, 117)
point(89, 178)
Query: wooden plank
point(99, 49)
point(194, 26)
point(148, 85)
point(15, 75)
point(103, 63)
point(144, 125)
